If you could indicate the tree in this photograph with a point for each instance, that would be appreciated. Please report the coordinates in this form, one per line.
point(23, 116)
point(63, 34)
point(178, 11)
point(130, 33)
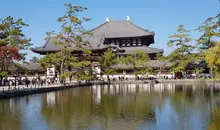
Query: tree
point(12, 42)
point(163, 60)
point(69, 40)
point(51, 60)
point(138, 61)
point(34, 60)
point(210, 29)
point(8, 55)
point(212, 57)
point(182, 55)
point(106, 61)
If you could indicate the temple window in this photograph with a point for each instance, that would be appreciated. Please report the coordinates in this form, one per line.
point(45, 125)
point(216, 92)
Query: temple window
point(128, 41)
point(139, 41)
point(134, 42)
point(106, 42)
point(113, 42)
point(117, 42)
point(123, 41)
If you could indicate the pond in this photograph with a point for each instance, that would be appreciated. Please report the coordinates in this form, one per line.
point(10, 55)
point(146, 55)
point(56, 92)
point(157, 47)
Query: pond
point(116, 107)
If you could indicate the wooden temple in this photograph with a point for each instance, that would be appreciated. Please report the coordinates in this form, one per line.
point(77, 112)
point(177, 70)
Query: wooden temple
point(123, 37)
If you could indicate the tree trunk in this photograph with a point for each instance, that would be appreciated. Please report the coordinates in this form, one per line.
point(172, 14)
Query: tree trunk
point(135, 73)
point(183, 74)
point(61, 72)
point(1, 79)
point(211, 72)
point(61, 67)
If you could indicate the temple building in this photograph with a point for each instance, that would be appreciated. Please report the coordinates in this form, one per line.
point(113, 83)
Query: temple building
point(123, 37)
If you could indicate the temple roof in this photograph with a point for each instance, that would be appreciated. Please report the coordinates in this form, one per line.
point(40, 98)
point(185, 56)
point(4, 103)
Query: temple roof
point(152, 63)
point(120, 29)
point(146, 49)
point(32, 66)
point(95, 42)
point(110, 29)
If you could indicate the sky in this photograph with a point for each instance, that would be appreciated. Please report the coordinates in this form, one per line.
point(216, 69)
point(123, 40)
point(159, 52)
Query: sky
point(161, 16)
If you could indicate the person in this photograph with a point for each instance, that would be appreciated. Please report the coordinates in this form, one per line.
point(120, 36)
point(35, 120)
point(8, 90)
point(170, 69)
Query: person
point(33, 81)
point(27, 82)
point(48, 81)
point(41, 82)
point(10, 83)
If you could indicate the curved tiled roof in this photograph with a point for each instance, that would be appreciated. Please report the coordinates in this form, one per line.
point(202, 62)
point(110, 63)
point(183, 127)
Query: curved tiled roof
point(146, 49)
point(32, 66)
point(110, 29)
point(95, 42)
point(152, 63)
point(47, 47)
point(120, 29)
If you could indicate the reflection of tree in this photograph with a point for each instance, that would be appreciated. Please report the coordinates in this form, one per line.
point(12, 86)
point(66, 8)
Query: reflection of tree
point(189, 105)
point(137, 107)
point(71, 107)
point(10, 118)
point(76, 109)
point(108, 106)
point(214, 123)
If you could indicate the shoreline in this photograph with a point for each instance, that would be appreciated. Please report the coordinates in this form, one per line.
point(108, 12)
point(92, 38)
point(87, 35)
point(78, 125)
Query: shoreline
point(30, 91)
point(178, 81)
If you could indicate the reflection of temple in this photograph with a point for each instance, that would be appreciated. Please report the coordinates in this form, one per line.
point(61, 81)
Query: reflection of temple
point(138, 88)
point(51, 98)
point(97, 94)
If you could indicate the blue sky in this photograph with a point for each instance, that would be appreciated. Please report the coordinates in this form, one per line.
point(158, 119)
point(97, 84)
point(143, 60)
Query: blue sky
point(160, 16)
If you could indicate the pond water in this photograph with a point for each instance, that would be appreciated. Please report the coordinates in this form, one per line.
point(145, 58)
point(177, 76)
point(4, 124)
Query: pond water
point(116, 107)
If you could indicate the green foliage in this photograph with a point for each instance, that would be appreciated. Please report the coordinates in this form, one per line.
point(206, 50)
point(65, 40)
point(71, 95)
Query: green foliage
point(106, 60)
point(68, 40)
point(212, 58)
point(13, 33)
point(210, 29)
point(34, 60)
point(3, 74)
point(162, 59)
point(182, 55)
point(52, 59)
point(84, 75)
point(14, 40)
point(138, 61)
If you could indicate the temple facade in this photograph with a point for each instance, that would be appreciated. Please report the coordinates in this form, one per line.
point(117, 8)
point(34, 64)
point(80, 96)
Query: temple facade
point(123, 37)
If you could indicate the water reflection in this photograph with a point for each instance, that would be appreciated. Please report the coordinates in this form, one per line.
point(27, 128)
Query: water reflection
point(121, 106)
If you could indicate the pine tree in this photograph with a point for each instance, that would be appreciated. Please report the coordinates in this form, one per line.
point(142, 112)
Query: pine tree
point(210, 30)
point(106, 61)
point(138, 60)
point(182, 55)
point(12, 43)
point(69, 41)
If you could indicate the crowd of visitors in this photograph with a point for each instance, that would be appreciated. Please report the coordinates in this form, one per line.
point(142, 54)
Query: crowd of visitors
point(27, 81)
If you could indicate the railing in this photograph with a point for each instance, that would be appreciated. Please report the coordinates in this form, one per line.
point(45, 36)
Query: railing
point(4, 89)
